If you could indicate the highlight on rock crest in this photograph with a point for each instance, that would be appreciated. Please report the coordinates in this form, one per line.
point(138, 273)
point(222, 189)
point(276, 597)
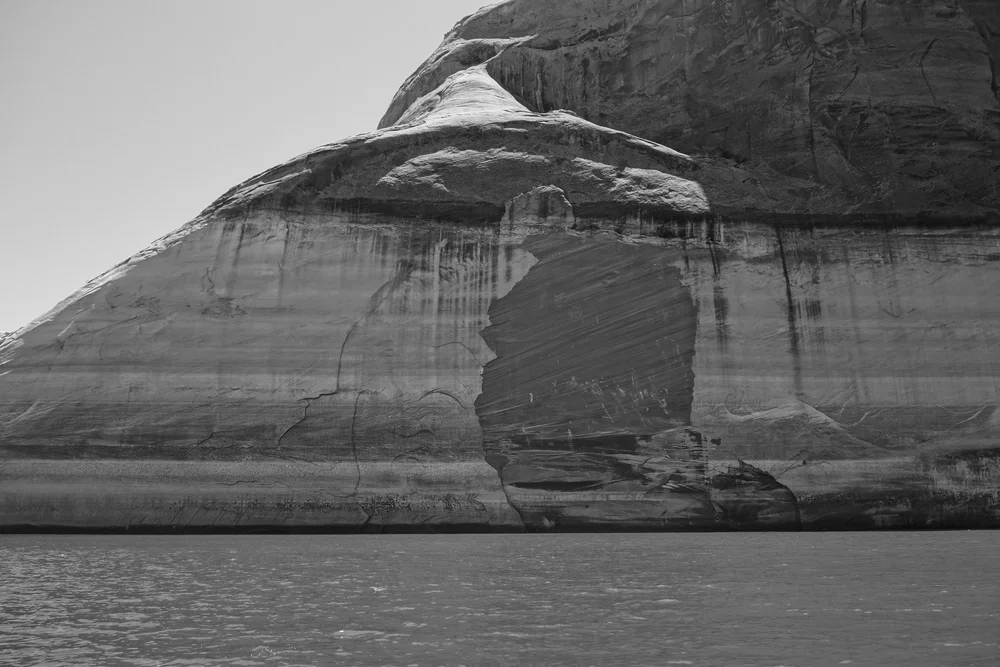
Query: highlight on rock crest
point(606, 265)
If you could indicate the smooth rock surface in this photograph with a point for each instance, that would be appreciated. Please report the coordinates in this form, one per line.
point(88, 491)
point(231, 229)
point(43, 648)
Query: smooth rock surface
point(492, 314)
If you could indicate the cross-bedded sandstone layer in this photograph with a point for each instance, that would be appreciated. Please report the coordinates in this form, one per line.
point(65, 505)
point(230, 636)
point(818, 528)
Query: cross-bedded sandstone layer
point(496, 314)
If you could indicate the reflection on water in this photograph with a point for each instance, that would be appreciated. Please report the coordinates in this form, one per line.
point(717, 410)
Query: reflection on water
point(673, 599)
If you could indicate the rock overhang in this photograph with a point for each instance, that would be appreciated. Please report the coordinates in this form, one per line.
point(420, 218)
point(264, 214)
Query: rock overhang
point(466, 149)
point(890, 112)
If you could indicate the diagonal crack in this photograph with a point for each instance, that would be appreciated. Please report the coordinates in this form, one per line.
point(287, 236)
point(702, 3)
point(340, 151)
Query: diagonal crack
point(459, 343)
point(400, 274)
point(924, 73)
point(443, 392)
point(305, 414)
point(211, 436)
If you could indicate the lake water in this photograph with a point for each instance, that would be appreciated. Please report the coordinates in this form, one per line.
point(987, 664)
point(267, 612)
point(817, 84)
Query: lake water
point(797, 599)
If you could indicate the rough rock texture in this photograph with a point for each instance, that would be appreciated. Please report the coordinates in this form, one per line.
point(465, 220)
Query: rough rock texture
point(873, 107)
point(495, 314)
point(462, 152)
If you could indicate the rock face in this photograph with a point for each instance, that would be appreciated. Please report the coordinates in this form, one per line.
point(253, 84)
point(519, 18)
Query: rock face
point(863, 107)
point(512, 308)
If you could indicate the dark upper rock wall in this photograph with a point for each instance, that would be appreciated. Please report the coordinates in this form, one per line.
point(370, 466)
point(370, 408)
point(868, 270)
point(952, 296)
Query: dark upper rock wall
point(863, 106)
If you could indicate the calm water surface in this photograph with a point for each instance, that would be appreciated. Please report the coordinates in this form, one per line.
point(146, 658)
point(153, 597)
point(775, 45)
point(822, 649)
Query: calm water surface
point(676, 599)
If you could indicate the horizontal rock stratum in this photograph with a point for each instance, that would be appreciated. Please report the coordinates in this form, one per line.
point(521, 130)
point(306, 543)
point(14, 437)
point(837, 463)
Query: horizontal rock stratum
point(609, 264)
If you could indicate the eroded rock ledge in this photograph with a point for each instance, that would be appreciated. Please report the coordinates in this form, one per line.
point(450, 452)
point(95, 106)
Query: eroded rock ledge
point(463, 151)
point(850, 107)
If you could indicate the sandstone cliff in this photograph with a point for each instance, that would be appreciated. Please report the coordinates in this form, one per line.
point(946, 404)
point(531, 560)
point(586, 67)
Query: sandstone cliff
point(514, 306)
point(864, 107)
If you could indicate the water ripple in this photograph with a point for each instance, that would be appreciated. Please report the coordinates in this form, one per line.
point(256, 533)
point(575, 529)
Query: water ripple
point(882, 599)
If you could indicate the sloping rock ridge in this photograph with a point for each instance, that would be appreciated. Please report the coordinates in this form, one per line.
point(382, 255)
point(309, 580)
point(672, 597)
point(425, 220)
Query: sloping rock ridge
point(607, 265)
point(862, 107)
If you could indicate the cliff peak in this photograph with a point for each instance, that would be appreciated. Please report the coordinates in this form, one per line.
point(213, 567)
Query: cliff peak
point(879, 109)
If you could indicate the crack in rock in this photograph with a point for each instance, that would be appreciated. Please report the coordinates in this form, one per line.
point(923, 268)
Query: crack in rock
point(924, 73)
point(402, 272)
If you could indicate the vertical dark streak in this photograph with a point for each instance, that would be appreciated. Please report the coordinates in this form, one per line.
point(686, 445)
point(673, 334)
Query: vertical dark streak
point(721, 317)
point(711, 249)
point(812, 127)
point(793, 329)
point(354, 442)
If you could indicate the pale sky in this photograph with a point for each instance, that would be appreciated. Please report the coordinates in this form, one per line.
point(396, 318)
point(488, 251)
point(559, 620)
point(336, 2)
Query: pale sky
point(120, 120)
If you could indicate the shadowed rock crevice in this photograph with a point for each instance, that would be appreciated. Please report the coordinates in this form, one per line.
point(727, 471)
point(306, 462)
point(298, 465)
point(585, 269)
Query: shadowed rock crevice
point(558, 403)
point(749, 498)
point(585, 407)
